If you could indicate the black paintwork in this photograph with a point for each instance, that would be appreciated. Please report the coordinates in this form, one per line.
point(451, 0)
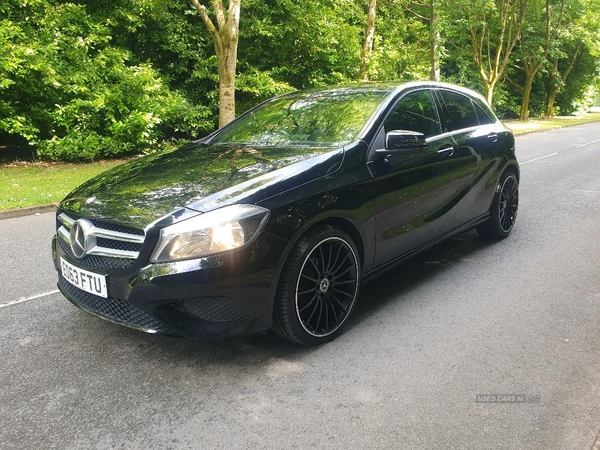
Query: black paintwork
point(392, 205)
point(199, 176)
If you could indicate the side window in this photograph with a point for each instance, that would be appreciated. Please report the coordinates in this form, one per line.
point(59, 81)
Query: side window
point(459, 111)
point(414, 112)
point(484, 117)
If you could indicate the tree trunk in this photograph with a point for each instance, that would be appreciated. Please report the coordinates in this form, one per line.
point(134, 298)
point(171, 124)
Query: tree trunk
point(550, 101)
point(227, 67)
point(530, 68)
point(367, 50)
point(489, 86)
point(225, 39)
point(434, 41)
point(529, 76)
point(553, 91)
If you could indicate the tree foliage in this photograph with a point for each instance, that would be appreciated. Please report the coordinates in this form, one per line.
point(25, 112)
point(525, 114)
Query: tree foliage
point(69, 90)
point(90, 79)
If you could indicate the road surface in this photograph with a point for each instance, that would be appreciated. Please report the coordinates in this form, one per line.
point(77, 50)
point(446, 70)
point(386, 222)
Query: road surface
point(430, 346)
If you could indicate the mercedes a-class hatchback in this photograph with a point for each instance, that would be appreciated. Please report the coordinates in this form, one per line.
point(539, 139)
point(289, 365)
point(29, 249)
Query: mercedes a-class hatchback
point(275, 220)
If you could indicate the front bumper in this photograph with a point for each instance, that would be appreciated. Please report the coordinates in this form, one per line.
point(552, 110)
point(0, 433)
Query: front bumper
point(222, 295)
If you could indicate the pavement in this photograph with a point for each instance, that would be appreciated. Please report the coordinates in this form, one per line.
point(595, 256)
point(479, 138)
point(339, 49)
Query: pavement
point(21, 212)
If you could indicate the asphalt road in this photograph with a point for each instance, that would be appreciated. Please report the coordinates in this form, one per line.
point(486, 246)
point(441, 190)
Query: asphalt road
point(470, 318)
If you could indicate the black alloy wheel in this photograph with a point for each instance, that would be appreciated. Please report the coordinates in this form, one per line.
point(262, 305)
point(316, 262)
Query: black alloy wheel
point(509, 203)
point(503, 212)
point(318, 288)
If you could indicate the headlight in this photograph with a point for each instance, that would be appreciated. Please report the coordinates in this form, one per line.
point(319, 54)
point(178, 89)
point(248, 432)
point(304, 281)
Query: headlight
point(207, 234)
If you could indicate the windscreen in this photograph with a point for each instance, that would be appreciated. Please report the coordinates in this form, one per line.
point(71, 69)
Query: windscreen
point(324, 119)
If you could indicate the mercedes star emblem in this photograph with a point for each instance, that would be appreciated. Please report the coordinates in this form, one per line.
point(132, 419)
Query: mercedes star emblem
point(82, 240)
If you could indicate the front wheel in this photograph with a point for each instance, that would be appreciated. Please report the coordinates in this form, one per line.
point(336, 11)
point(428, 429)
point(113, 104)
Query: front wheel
point(503, 212)
point(318, 287)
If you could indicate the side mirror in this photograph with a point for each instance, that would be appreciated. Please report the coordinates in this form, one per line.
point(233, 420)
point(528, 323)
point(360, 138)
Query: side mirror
point(403, 141)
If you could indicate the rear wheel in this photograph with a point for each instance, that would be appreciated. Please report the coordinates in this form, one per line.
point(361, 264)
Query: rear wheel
point(503, 212)
point(318, 287)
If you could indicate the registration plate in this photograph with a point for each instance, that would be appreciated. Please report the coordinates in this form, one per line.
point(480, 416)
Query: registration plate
point(86, 281)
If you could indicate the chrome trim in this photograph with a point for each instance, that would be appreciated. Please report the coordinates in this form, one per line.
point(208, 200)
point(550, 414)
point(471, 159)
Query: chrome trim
point(64, 235)
point(66, 220)
point(116, 235)
point(64, 232)
point(112, 253)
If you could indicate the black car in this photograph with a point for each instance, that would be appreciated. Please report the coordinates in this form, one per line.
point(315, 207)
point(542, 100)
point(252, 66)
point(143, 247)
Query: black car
point(275, 220)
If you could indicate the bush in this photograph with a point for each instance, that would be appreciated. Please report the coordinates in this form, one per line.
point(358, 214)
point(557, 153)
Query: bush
point(70, 92)
point(125, 110)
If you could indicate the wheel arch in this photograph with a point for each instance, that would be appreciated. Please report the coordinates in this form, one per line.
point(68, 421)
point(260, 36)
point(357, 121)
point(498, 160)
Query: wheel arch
point(347, 227)
point(343, 224)
point(514, 168)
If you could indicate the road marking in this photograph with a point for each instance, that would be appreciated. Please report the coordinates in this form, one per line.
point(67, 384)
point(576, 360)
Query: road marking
point(588, 143)
point(537, 159)
point(26, 299)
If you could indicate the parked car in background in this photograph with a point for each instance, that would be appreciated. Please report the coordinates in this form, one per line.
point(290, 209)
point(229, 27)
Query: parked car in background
point(275, 220)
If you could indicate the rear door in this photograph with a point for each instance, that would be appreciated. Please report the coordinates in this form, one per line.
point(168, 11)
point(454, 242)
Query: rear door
point(479, 139)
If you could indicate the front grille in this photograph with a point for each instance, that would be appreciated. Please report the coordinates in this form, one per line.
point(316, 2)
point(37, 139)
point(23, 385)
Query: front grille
point(94, 261)
point(216, 309)
point(110, 226)
point(114, 309)
point(116, 246)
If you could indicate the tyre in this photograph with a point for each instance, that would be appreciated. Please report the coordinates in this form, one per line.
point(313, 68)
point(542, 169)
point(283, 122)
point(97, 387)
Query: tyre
point(503, 212)
point(318, 287)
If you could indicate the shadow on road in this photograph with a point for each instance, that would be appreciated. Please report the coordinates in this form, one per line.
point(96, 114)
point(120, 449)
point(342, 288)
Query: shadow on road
point(262, 349)
point(415, 272)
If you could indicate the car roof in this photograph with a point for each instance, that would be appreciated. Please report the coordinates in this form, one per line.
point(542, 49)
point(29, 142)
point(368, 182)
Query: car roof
point(391, 87)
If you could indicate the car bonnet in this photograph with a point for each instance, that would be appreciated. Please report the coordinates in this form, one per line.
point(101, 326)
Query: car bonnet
point(200, 177)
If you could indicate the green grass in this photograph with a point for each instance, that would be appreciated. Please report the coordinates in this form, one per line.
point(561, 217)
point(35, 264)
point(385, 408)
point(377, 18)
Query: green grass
point(543, 124)
point(31, 184)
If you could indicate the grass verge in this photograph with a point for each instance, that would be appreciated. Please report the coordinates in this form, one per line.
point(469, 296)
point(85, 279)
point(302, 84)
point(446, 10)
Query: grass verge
point(552, 123)
point(25, 184)
point(32, 184)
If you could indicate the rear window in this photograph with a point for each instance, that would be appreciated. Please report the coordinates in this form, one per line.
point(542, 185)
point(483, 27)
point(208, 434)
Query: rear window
point(459, 111)
point(484, 117)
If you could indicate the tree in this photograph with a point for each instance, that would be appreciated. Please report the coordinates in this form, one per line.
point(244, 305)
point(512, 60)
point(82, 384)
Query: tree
point(367, 49)
point(537, 41)
point(573, 47)
point(86, 79)
point(558, 77)
point(494, 28)
point(429, 12)
point(225, 38)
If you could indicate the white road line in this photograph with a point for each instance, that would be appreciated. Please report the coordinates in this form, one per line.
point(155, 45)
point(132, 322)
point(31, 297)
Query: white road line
point(537, 159)
point(26, 299)
point(588, 143)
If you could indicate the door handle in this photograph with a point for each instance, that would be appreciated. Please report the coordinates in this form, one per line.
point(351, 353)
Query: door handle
point(493, 137)
point(446, 152)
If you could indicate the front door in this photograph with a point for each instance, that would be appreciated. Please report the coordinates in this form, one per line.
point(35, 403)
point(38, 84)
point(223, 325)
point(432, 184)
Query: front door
point(415, 193)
